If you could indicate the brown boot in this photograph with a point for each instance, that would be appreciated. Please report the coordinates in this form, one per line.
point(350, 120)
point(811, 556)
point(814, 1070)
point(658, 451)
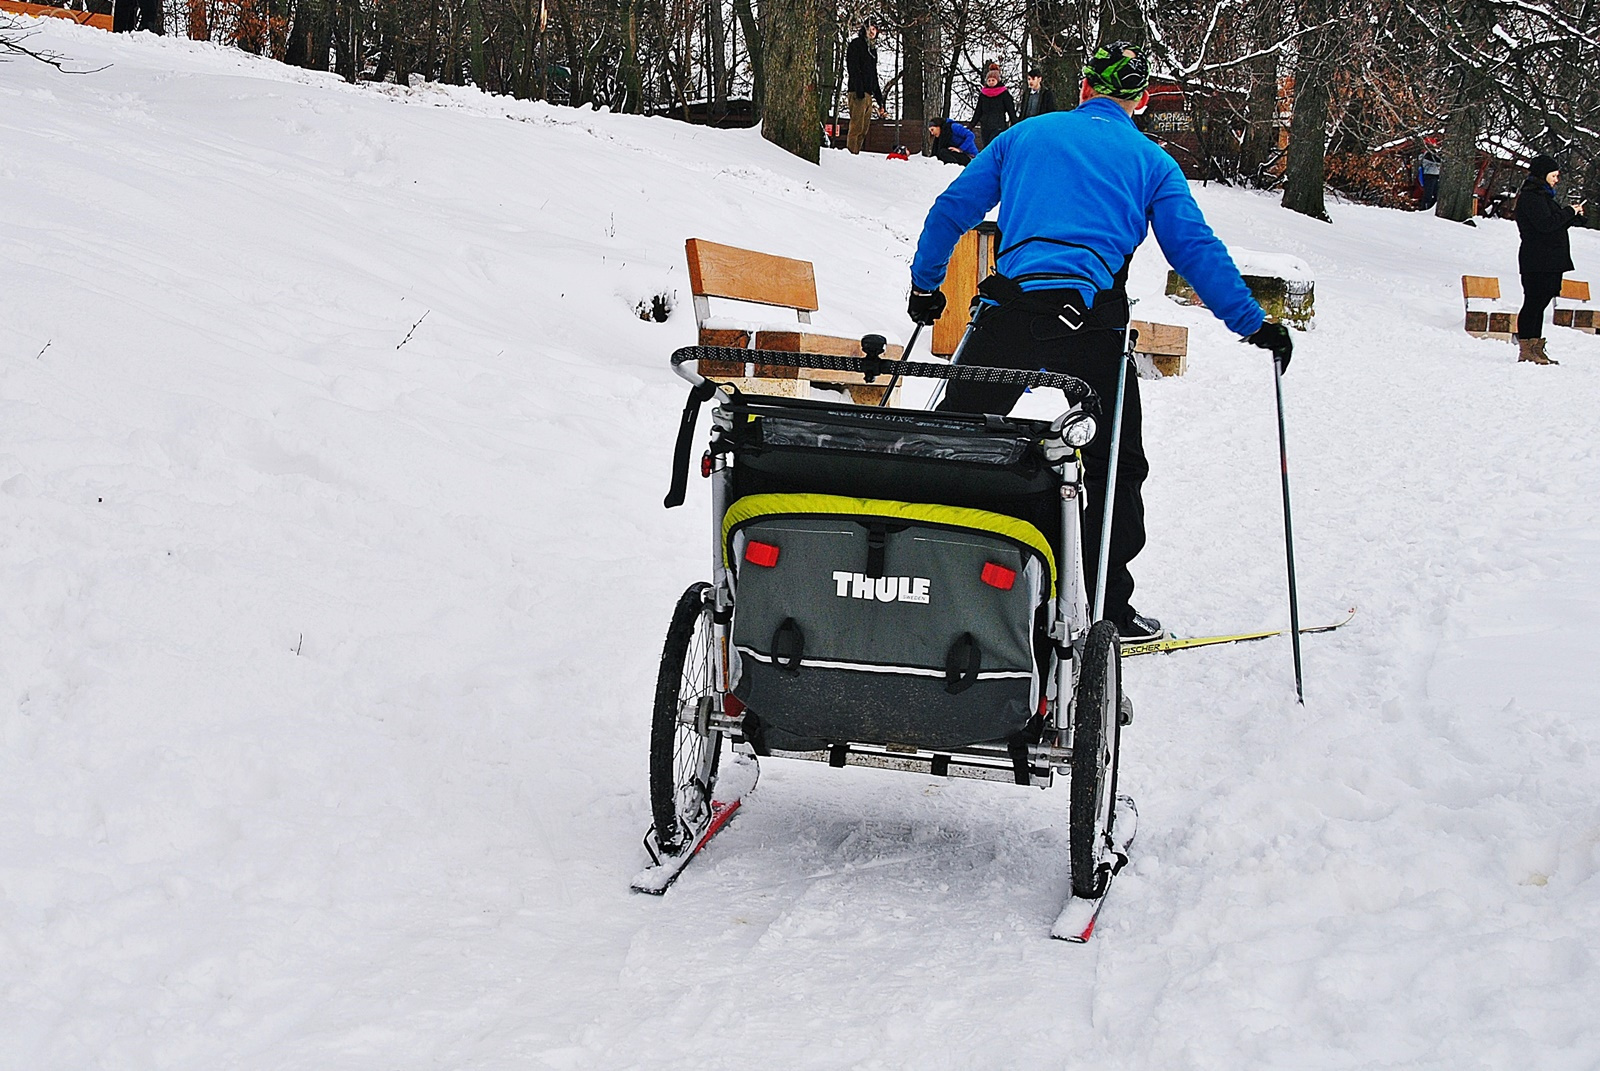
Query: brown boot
point(1532, 351)
point(1544, 358)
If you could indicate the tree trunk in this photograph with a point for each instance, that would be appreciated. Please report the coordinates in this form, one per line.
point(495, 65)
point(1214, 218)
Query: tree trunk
point(913, 85)
point(1261, 126)
point(753, 44)
point(1123, 20)
point(628, 70)
point(1058, 49)
point(475, 57)
point(932, 62)
point(718, 33)
point(789, 106)
point(1308, 126)
point(1458, 174)
point(829, 61)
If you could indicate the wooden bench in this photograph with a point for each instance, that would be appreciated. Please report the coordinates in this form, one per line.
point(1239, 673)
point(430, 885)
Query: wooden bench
point(1581, 319)
point(734, 274)
point(1486, 322)
point(970, 264)
point(1164, 346)
point(83, 18)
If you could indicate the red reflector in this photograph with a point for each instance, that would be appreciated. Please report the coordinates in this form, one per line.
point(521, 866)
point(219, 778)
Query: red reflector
point(998, 576)
point(705, 464)
point(761, 554)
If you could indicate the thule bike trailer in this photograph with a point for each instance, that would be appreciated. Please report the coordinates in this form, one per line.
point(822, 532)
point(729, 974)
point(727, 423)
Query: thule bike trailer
point(890, 588)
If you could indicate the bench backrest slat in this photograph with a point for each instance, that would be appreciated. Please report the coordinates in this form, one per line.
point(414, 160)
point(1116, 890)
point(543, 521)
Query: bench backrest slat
point(1575, 290)
point(1480, 286)
point(726, 271)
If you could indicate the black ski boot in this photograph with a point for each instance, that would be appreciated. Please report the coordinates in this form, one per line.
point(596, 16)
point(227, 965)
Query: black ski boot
point(1134, 627)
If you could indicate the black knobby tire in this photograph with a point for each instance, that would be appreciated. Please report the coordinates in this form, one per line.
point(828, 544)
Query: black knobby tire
point(1096, 737)
point(683, 760)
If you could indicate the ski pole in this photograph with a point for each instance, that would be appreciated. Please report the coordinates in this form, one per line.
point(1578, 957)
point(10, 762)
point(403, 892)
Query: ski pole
point(1103, 566)
point(955, 358)
point(1288, 536)
point(905, 355)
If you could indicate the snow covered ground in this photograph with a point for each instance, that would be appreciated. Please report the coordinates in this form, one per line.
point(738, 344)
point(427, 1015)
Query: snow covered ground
point(334, 574)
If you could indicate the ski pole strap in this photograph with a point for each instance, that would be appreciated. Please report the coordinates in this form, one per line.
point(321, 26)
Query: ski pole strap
point(1076, 390)
point(680, 455)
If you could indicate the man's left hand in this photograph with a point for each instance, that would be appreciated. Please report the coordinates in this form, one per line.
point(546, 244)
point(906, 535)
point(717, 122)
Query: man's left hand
point(1275, 337)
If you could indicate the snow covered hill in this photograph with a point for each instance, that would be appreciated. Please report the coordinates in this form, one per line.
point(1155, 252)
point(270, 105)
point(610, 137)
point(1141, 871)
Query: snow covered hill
point(334, 574)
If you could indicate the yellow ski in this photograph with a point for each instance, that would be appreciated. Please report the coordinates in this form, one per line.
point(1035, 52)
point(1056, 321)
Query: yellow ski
point(1176, 644)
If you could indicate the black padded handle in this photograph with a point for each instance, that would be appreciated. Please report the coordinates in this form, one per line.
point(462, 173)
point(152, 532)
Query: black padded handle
point(961, 664)
point(788, 645)
point(1076, 390)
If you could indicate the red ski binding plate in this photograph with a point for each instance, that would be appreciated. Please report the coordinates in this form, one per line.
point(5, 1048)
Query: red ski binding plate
point(1076, 921)
point(733, 784)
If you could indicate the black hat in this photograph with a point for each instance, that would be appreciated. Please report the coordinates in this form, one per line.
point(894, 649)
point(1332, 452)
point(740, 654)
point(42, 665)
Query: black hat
point(1034, 72)
point(1542, 165)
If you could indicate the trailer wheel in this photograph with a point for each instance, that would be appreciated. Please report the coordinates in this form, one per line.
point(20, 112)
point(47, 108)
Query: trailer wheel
point(1096, 736)
point(683, 748)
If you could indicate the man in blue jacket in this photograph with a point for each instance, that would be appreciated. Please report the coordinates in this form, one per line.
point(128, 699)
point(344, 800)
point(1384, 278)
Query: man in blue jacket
point(1077, 193)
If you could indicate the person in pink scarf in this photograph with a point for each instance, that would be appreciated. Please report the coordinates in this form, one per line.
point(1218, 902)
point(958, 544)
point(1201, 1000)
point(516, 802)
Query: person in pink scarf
point(995, 110)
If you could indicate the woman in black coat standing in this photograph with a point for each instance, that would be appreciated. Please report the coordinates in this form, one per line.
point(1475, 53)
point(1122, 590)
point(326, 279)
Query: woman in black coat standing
point(1544, 255)
point(995, 111)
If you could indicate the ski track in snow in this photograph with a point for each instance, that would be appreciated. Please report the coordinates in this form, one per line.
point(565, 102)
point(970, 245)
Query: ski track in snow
point(335, 575)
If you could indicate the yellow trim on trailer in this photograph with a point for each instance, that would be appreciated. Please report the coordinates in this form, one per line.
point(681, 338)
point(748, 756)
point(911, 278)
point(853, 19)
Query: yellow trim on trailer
point(788, 505)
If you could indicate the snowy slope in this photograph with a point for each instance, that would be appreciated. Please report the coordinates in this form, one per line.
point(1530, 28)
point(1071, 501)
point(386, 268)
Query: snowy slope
point(334, 574)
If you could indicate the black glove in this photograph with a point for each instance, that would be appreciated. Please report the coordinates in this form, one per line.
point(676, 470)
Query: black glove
point(1274, 337)
point(925, 306)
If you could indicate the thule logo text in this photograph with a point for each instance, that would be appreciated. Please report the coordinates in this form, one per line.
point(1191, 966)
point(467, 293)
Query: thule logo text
point(882, 588)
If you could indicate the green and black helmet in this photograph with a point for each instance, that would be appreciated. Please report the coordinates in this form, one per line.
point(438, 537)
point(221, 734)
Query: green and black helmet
point(1118, 70)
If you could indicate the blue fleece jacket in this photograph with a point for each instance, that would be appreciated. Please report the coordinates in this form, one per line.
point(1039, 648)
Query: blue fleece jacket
point(1088, 177)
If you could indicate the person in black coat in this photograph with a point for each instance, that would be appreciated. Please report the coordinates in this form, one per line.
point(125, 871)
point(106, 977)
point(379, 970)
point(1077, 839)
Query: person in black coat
point(130, 15)
point(995, 111)
point(1544, 255)
point(862, 90)
point(1037, 100)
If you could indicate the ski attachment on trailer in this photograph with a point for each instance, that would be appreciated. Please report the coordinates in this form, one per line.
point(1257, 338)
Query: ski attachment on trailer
point(1185, 643)
point(1077, 919)
point(731, 786)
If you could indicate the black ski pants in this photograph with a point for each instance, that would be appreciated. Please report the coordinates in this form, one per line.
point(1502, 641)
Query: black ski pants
point(1539, 289)
point(1022, 339)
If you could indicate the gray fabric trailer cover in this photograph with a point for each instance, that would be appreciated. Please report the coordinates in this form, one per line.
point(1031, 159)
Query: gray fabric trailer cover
point(861, 620)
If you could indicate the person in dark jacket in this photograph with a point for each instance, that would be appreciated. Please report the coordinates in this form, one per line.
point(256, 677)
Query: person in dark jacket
point(1544, 255)
point(1037, 100)
point(995, 111)
point(1078, 191)
point(863, 91)
point(130, 15)
point(952, 142)
point(1428, 169)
